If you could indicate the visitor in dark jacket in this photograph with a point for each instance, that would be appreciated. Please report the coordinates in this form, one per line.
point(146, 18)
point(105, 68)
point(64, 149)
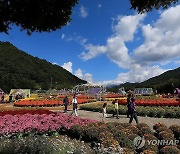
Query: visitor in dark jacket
point(66, 103)
point(128, 104)
point(133, 114)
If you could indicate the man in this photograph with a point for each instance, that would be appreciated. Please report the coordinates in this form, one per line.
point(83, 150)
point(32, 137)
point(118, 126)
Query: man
point(66, 103)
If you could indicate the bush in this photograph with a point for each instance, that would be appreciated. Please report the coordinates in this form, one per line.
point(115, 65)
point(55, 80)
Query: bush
point(176, 130)
point(76, 131)
point(134, 129)
point(124, 141)
point(169, 149)
point(166, 136)
point(178, 113)
point(149, 152)
point(152, 112)
point(143, 112)
point(169, 113)
point(140, 125)
point(160, 129)
point(156, 126)
point(144, 130)
point(160, 113)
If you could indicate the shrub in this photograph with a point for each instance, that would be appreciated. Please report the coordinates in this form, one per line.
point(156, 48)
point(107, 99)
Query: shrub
point(76, 131)
point(152, 112)
point(144, 130)
point(169, 149)
point(107, 139)
point(132, 136)
point(91, 133)
point(124, 141)
point(140, 125)
point(156, 126)
point(160, 129)
point(143, 112)
point(134, 129)
point(149, 152)
point(169, 113)
point(176, 130)
point(166, 136)
point(125, 125)
point(178, 114)
point(160, 113)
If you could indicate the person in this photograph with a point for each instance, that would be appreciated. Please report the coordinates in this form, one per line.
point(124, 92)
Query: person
point(116, 108)
point(104, 110)
point(66, 103)
point(2, 98)
point(74, 102)
point(10, 98)
point(128, 104)
point(133, 114)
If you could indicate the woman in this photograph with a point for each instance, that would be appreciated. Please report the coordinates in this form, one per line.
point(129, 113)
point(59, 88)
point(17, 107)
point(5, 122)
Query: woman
point(132, 108)
point(74, 102)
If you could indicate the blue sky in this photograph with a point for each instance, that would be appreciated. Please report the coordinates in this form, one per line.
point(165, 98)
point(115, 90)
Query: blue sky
point(108, 43)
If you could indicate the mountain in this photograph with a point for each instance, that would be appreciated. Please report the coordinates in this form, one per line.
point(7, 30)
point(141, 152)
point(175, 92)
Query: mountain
point(164, 83)
point(21, 70)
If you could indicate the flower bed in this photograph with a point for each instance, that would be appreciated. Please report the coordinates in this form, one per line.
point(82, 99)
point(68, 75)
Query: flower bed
point(49, 103)
point(153, 102)
point(38, 123)
point(21, 112)
point(32, 103)
point(167, 112)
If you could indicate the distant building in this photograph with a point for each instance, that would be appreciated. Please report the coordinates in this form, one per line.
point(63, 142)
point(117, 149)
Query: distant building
point(122, 91)
point(22, 92)
point(143, 91)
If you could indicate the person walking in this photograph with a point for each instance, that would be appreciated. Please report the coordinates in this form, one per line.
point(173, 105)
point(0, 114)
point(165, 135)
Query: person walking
point(66, 103)
point(74, 102)
point(116, 108)
point(10, 98)
point(128, 104)
point(2, 98)
point(104, 110)
point(133, 114)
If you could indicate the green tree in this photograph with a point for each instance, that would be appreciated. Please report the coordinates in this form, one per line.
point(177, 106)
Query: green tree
point(147, 5)
point(35, 15)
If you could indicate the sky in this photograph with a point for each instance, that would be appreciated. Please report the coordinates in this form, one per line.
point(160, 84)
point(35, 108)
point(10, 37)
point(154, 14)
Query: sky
point(108, 43)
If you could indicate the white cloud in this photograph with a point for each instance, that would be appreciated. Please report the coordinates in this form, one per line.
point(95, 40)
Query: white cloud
point(160, 47)
point(99, 6)
point(138, 74)
point(54, 63)
point(83, 12)
point(115, 47)
point(162, 41)
point(86, 76)
point(79, 73)
point(62, 36)
point(68, 66)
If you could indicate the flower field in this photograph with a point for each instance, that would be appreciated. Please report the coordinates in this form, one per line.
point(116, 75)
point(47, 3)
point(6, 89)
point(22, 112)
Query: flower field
point(21, 112)
point(153, 102)
point(117, 135)
point(15, 124)
point(150, 111)
point(48, 103)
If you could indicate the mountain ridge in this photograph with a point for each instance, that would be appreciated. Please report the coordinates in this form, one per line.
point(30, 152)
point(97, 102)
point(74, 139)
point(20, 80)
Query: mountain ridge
point(163, 83)
point(19, 69)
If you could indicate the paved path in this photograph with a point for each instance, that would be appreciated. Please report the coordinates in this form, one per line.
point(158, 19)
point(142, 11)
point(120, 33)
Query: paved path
point(123, 119)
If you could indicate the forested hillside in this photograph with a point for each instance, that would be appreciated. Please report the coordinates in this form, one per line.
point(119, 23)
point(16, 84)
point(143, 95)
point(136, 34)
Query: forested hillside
point(164, 83)
point(21, 70)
